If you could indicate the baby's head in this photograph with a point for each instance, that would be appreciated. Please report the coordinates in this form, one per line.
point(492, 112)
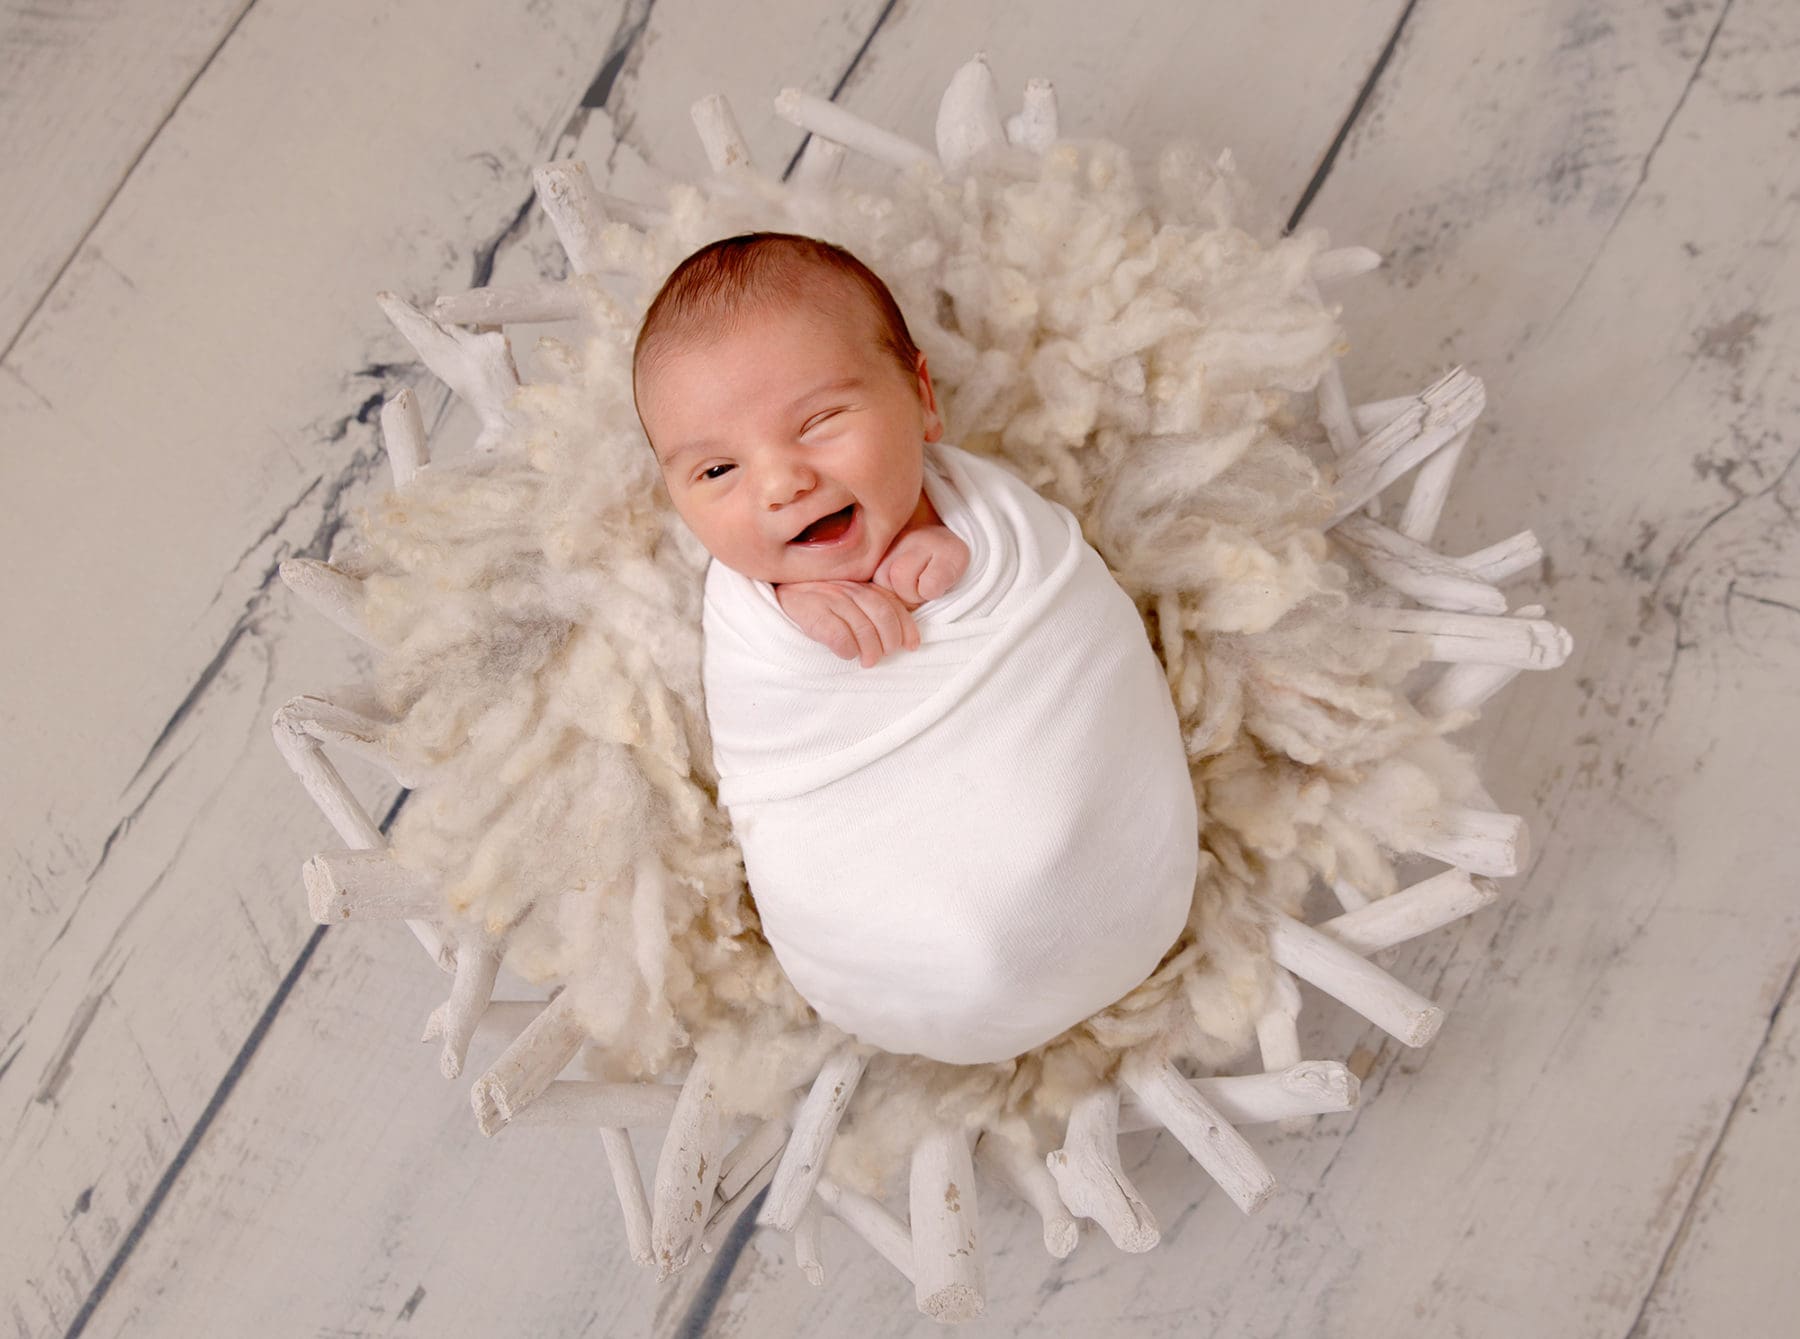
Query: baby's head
point(788, 407)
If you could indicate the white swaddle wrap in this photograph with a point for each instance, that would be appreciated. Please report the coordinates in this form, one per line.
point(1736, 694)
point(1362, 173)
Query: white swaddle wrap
point(968, 848)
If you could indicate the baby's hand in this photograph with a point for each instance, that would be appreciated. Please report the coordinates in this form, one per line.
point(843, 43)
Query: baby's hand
point(853, 618)
point(923, 564)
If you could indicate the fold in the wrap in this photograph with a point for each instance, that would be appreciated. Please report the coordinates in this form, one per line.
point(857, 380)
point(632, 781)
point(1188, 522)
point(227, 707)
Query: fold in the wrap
point(968, 848)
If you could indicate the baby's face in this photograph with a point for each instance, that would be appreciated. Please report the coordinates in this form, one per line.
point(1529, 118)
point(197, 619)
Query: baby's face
point(792, 444)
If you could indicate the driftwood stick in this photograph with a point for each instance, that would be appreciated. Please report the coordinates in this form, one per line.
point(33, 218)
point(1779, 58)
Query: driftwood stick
point(1223, 1153)
point(1334, 403)
point(1483, 639)
point(1444, 409)
point(873, 1223)
point(525, 1068)
point(807, 1253)
point(1411, 912)
point(725, 1213)
point(1345, 262)
point(719, 133)
point(477, 963)
point(403, 435)
point(566, 193)
point(1394, 1008)
point(820, 162)
point(1310, 1088)
point(1414, 570)
point(1478, 840)
point(628, 1184)
point(1378, 414)
point(948, 1278)
point(687, 1171)
point(477, 365)
point(1035, 127)
point(1431, 489)
point(540, 301)
point(587, 1104)
point(1349, 896)
point(1019, 1168)
point(367, 885)
point(832, 121)
point(1506, 559)
point(814, 1125)
point(360, 736)
point(330, 592)
point(1465, 687)
point(968, 117)
point(1091, 1181)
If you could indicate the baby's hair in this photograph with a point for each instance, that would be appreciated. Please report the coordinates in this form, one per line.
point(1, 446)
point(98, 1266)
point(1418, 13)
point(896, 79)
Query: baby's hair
point(709, 288)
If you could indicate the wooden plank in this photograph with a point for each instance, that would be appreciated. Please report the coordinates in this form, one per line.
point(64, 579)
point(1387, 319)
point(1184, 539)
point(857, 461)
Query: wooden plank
point(182, 412)
point(82, 90)
point(325, 1231)
point(1730, 1267)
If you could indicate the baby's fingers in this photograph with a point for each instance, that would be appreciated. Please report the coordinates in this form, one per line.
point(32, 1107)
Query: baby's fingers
point(893, 625)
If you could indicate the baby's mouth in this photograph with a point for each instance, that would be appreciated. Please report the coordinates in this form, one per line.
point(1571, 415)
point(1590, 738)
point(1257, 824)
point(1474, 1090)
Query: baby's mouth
point(827, 529)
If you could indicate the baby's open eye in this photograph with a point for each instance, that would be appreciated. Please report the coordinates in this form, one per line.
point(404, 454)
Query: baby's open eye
point(714, 471)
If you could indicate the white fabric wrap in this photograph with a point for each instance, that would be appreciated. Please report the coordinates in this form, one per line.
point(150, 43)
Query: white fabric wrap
point(968, 848)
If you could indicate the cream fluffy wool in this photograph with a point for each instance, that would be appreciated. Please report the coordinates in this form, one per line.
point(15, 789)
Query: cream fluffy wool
point(1131, 352)
point(967, 848)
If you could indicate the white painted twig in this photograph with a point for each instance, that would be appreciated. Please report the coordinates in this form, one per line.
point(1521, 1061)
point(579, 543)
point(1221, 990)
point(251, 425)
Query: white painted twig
point(1431, 489)
point(332, 593)
point(948, 1277)
point(968, 118)
point(1340, 973)
point(1478, 840)
point(352, 732)
point(1346, 262)
point(1379, 413)
point(367, 884)
point(628, 1184)
point(403, 435)
point(820, 162)
point(587, 1104)
point(525, 1068)
point(1482, 639)
point(719, 133)
point(1506, 559)
point(477, 963)
point(1334, 403)
point(832, 121)
point(1414, 570)
point(687, 1170)
point(575, 209)
point(724, 1215)
point(1090, 1179)
point(477, 365)
point(1310, 1088)
point(1035, 127)
point(756, 1150)
point(806, 1243)
point(1411, 912)
point(540, 301)
point(1349, 896)
point(1019, 1168)
point(814, 1125)
point(1444, 409)
point(871, 1221)
point(1212, 1141)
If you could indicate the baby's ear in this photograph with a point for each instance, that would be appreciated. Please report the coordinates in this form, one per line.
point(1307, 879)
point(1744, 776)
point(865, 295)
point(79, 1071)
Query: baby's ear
point(934, 423)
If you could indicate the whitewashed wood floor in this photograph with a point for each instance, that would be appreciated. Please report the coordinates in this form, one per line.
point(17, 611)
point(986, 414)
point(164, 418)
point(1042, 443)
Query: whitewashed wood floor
point(214, 1119)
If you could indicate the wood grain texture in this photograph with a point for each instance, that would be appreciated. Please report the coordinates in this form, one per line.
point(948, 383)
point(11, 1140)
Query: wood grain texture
point(185, 409)
point(83, 88)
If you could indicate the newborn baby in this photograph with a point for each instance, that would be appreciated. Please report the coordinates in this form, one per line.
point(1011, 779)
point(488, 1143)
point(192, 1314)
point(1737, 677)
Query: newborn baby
point(947, 750)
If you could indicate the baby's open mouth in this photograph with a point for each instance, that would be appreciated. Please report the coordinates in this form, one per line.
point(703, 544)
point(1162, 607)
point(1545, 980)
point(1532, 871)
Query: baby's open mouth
point(827, 529)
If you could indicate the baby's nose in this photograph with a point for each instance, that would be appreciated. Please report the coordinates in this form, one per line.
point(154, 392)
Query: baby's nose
point(787, 480)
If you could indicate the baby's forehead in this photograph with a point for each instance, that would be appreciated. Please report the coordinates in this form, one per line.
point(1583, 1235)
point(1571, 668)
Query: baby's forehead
point(823, 305)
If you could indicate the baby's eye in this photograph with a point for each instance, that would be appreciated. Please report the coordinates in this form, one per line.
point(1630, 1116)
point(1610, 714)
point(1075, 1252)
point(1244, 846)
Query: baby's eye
point(714, 471)
point(817, 419)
